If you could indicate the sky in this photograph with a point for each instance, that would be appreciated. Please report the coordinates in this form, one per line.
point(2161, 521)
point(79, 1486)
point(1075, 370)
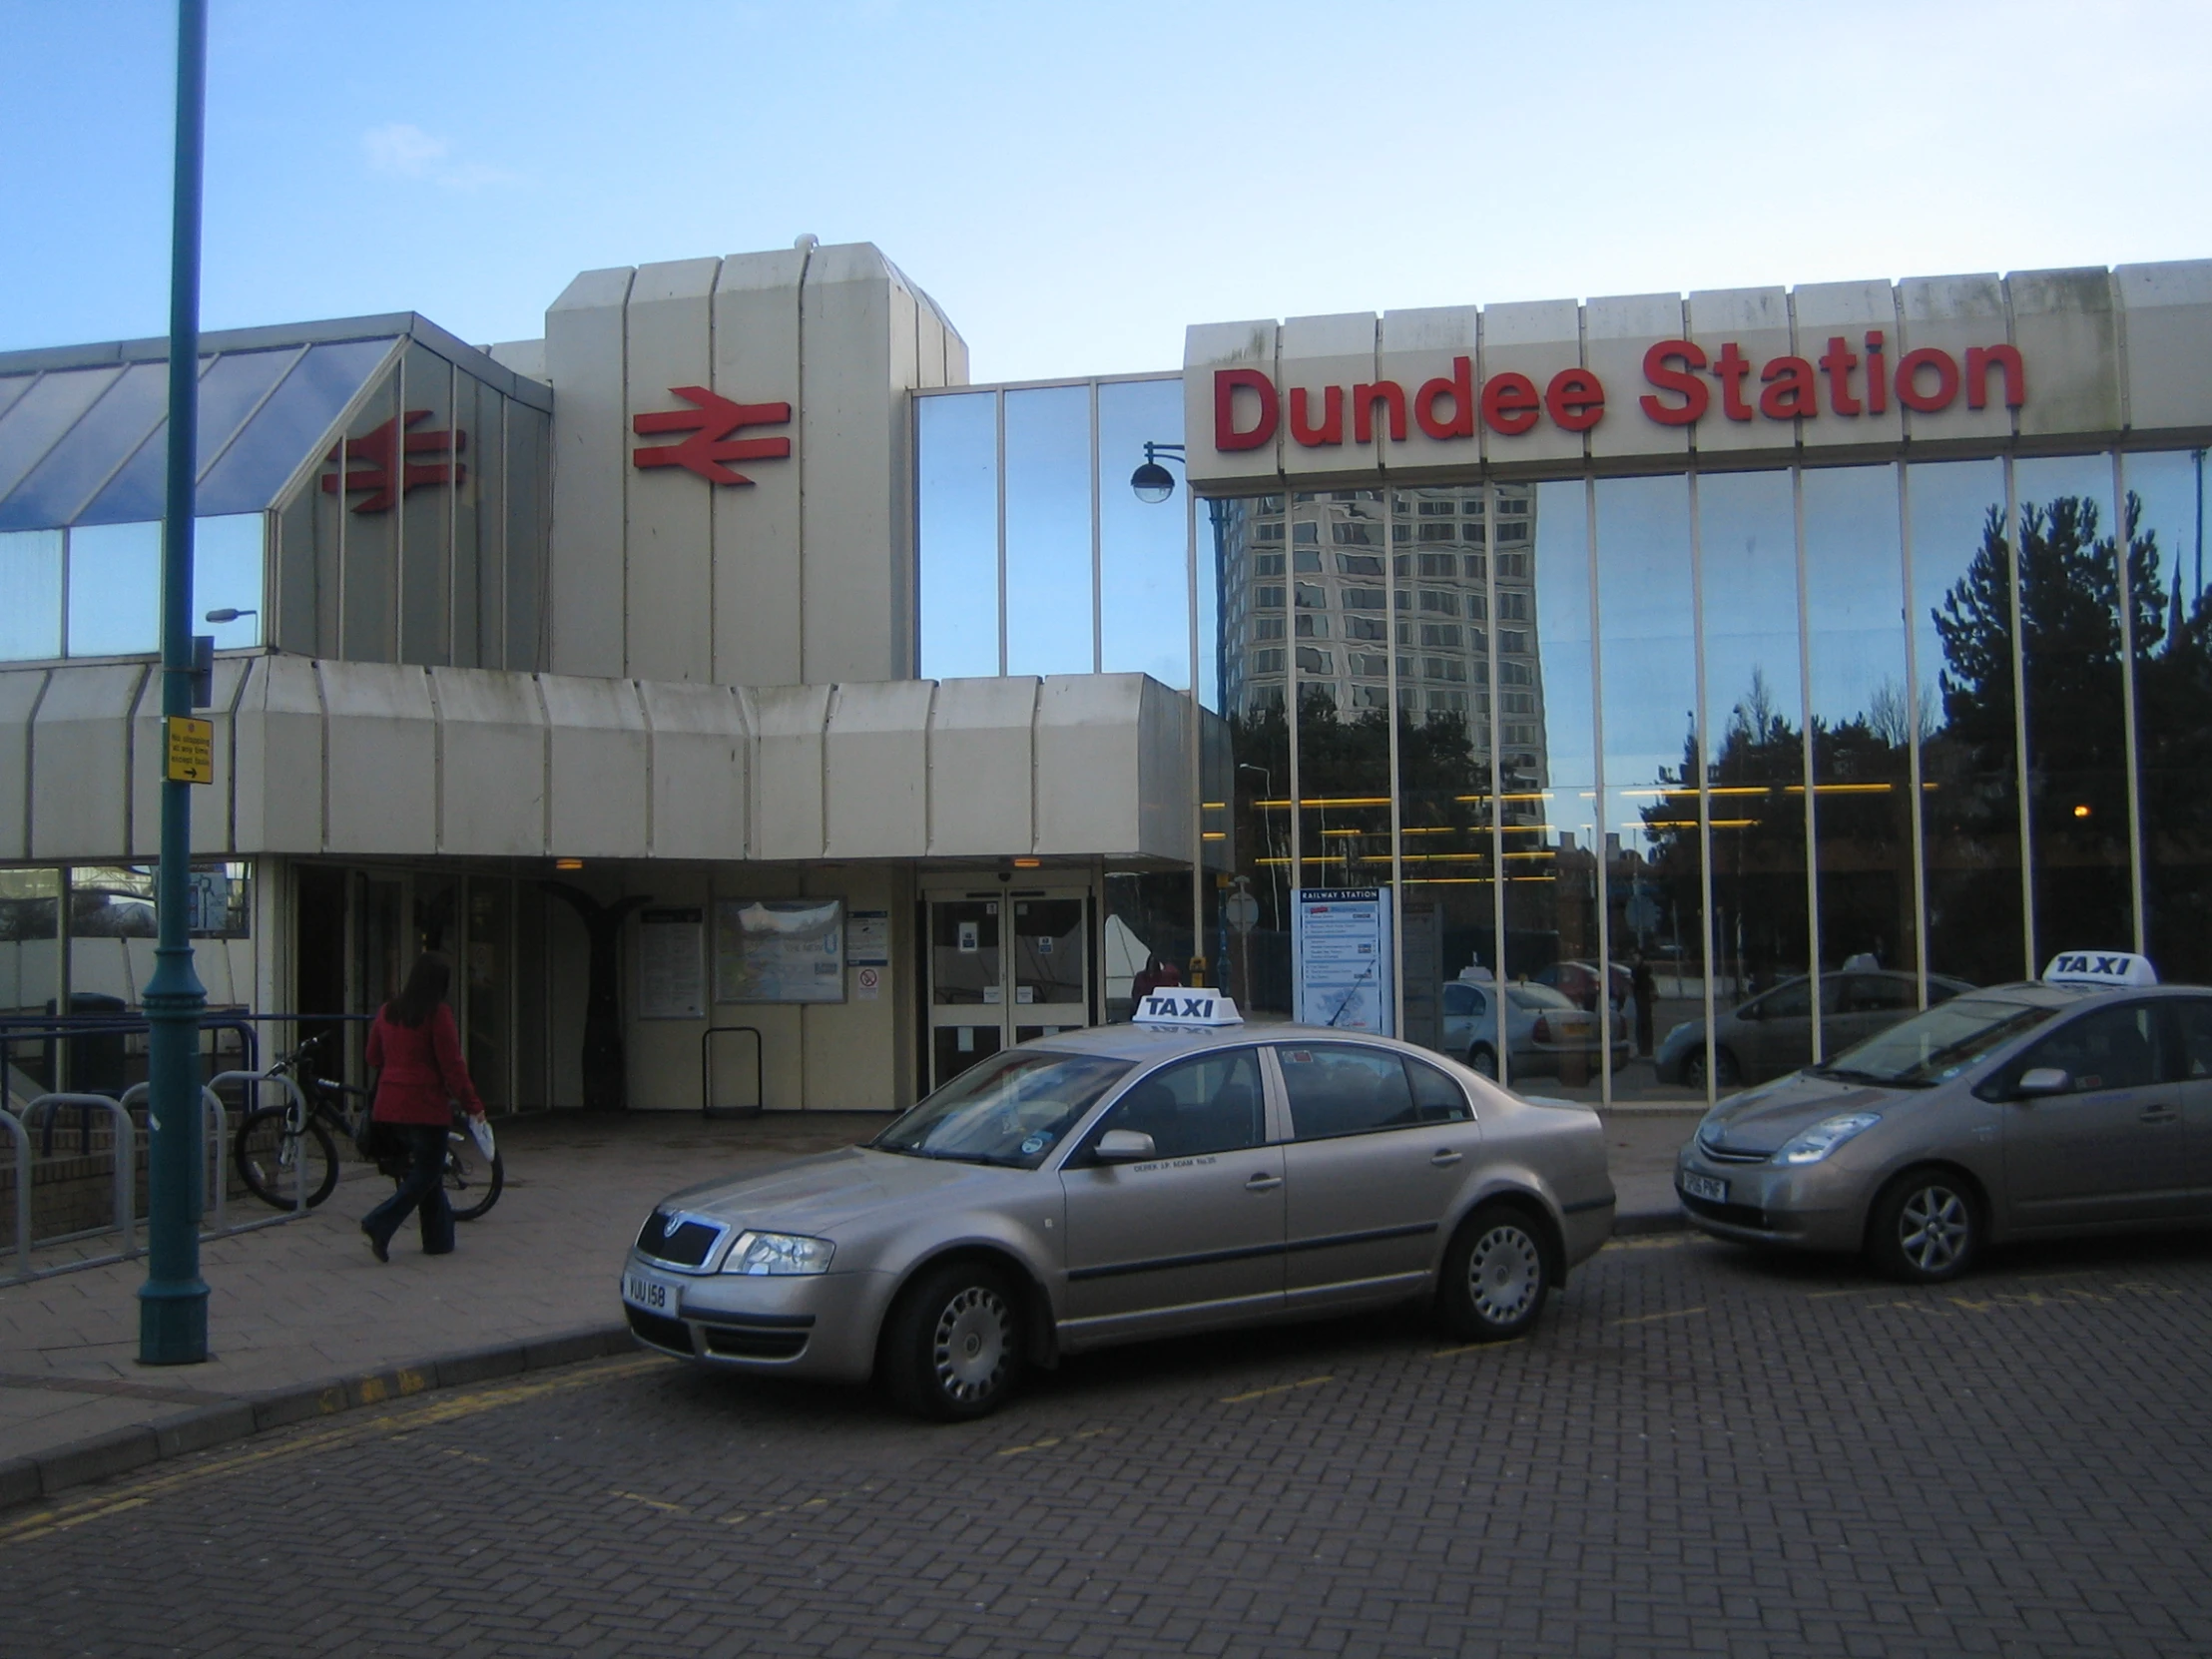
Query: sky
point(1073, 183)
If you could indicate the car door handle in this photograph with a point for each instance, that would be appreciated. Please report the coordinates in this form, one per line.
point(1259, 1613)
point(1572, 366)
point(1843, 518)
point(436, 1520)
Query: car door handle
point(1446, 1158)
point(1263, 1183)
point(2159, 1114)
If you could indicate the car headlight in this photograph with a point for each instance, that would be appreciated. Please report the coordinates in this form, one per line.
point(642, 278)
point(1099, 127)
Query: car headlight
point(777, 1254)
point(1825, 1137)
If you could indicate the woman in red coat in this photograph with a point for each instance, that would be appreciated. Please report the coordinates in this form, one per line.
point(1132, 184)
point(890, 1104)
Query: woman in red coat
point(415, 1052)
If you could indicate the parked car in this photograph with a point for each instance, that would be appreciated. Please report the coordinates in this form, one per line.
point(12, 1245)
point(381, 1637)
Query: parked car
point(1124, 1181)
point(1578, 981)
point(1772, 1033)
point(2036, 1109)
point(1542, 1026)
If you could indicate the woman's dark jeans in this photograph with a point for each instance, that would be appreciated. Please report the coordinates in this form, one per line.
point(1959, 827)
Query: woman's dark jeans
point(421, 1190)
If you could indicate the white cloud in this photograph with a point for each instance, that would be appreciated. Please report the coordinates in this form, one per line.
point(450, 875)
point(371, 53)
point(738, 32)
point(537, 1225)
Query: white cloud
point(400, 150)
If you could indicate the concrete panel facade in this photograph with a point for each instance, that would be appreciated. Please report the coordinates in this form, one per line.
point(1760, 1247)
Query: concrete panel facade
point(600, 798)
point(700, 758)
point(210, 805)
point(80, 763)
point(668, 539)
point(981, 783)
point(491, 764)
point(383, 751)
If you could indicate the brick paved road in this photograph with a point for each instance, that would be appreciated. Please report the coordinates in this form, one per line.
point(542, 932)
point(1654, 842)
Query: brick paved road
point(1699, 1451)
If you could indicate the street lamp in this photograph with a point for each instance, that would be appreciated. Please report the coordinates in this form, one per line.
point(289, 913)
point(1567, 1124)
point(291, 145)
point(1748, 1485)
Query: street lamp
point(1153, 482)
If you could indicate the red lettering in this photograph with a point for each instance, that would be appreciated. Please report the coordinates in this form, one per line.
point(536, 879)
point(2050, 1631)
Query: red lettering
point(1575, 400)
point(1838, 365)
point(1909, 379)
point(1981, 359)
point(1510, 403)
point(1461, 389)
point(1332, 427)
point(1732, 365)
point(1878, 375)
point(1392, 396)
point(1696, 396)
point(1226, 383)
point(1789, 390)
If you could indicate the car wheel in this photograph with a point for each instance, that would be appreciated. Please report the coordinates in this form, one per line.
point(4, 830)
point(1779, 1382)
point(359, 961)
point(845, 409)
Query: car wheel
point(952, 1348)
point(1484, 1061)
point(1497, 1274)
point(1924, 1228)
point(1723, 1069)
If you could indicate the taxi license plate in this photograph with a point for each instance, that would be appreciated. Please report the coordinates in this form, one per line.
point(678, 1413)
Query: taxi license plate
point(1710, 1188)
point(651, 1293)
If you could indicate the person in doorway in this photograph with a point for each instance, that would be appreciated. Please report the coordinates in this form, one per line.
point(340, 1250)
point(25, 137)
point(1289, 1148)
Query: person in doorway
point(1640, 986)
point(414, 1050)
point(1157, 972)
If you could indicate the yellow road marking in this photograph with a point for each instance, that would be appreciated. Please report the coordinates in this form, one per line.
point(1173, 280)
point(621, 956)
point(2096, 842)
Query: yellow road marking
point(650, 1502)
point(1646, 1318)
point(1033, 1445)
point(449, 1407)
point(1278, 1388)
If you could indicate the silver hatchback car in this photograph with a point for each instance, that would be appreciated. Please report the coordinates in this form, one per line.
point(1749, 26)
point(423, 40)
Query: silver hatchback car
point(1124, 1181)
point(2079, 1103)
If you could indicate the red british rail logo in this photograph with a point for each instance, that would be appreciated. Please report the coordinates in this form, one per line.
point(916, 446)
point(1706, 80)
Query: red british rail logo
point(712, 424)
point(380, 461)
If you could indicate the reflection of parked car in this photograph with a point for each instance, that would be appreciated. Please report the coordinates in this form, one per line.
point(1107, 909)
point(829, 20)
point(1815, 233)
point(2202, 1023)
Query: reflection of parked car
point(1773, 1034)
point(1578, 982)
point(1543, 1026)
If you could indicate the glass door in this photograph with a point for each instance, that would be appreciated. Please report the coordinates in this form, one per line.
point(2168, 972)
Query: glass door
point(1004, 967)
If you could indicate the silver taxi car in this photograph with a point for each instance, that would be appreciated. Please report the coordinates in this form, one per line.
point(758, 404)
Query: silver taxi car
point(1124, 1181)
point(2071, 1104)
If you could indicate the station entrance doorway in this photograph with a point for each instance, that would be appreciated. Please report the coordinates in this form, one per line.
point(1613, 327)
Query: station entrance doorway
point(1005, 965)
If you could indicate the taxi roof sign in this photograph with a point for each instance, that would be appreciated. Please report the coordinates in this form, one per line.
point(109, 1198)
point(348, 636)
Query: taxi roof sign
point(1174, 1005)
point(2099, 967)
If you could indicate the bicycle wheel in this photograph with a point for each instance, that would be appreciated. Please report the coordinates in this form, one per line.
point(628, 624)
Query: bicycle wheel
point(267, 1149)
point(471, 1185)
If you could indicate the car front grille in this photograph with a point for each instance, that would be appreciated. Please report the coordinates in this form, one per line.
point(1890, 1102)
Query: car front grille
point(681, 1241)
point(1730, 1155)
point(658, 1330)
point(1734, 1215)
point(739, 1342)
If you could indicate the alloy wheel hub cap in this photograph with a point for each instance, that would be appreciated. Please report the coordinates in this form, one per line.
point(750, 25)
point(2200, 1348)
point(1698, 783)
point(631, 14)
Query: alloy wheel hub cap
point(970, 1351)
point(1503, 1274)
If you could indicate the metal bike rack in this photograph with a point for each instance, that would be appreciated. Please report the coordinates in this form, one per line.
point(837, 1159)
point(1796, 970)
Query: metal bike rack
point(137, 1095)
point(707, 1106)
point(125, 1168)
point(22, 1139)
point(254, 1080)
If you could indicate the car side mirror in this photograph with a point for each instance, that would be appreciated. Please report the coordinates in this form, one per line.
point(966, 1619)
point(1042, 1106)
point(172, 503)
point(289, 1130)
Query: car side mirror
point(1124, 1146)
point(2040, 1080)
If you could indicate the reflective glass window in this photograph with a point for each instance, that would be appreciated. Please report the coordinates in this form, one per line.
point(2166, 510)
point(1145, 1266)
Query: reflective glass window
point(1344, 1089)
point(2173, 689)
point(1197, 1107)
point(1049, 530)
point(358, 473)
point(1753, 700)
point(1963, 626)
point(13, 387)
point(229, 386)
point(43, 414)
point(428, 458)
point(1144, 605)
point(1653, 752)
point(259, 461)
point(2077, 762)
point(114, 589)
point(30, 594)
point(93, 447)
point(958, 532)
point(1863, 725)
point(30, 965)
point(226, 575)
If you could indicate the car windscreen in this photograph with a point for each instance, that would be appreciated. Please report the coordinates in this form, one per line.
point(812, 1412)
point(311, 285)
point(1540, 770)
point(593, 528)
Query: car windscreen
point(1934, 1046)
point(1011, 1109)
point(1539, 997)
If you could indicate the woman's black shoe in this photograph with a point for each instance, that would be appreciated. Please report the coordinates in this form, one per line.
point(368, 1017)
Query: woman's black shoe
point(376, 1245)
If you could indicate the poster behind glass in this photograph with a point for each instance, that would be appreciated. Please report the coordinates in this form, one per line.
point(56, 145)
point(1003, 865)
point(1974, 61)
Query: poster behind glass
point(779, 950)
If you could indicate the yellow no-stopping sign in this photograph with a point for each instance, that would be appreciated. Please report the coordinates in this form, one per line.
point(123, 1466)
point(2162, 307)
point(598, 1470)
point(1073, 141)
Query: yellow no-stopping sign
point(188, 750)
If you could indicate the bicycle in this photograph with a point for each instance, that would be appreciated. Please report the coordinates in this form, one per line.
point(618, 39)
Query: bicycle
point(273, 1143)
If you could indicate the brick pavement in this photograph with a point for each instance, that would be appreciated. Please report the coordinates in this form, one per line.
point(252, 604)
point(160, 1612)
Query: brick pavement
point(1698, 1451)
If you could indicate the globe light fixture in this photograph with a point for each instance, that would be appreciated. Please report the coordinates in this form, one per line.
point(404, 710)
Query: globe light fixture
point(1152, 482)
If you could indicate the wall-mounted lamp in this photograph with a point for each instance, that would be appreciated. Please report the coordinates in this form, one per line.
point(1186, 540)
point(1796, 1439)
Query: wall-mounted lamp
point(1029, 864)
point(1153, 482)
point(228, 614)
point(568, 863)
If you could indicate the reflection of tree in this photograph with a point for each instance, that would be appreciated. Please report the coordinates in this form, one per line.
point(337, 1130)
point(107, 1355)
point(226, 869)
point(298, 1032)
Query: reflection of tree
point(2071, 626)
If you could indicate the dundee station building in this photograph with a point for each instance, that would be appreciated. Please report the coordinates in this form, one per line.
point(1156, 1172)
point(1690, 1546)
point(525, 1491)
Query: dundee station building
point(722, 678)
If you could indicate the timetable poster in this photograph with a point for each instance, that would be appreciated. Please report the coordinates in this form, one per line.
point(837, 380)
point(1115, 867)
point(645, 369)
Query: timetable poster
point(779, 950)
point(671, 964)
point(1341, 955)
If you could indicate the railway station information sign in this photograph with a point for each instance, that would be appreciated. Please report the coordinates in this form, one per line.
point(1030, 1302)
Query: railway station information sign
point(1341, 957)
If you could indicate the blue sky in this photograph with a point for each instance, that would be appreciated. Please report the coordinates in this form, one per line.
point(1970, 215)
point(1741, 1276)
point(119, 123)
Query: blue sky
point(1073, 183)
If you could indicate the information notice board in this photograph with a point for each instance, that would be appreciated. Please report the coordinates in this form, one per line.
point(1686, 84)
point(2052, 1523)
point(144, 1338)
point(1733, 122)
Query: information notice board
point(671, 964)
point(779, 950)
point(1340, 957)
